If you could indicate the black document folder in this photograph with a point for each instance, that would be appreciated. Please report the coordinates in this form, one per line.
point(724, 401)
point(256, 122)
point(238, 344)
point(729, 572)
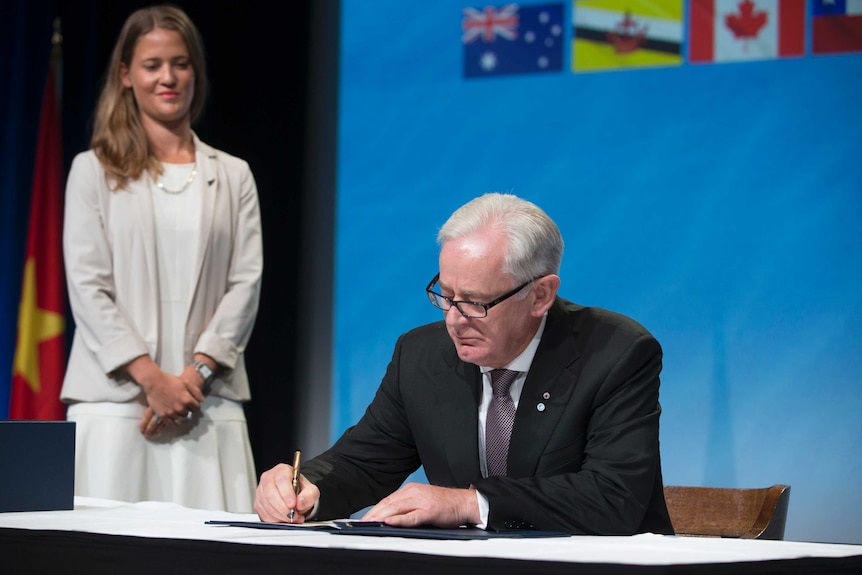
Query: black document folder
point(37, 465)
point(375, 529)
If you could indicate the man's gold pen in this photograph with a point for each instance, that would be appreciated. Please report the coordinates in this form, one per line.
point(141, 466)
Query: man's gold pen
point(295, 482)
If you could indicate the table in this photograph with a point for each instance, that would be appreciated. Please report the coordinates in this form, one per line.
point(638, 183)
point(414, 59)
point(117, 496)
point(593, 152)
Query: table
point(101, 536)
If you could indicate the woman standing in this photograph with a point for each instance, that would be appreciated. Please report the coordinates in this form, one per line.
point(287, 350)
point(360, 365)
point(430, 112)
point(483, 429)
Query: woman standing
point(163, 256)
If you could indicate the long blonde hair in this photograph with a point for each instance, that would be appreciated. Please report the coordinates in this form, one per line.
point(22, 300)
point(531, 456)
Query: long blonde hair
point(119, 140)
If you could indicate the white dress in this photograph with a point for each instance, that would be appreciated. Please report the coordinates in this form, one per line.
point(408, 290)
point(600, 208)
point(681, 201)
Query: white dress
point(204, 463)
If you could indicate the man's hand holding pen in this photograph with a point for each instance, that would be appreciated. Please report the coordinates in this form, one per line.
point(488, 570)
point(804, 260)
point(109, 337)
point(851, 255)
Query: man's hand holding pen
point(276, 496)
point(281, 500)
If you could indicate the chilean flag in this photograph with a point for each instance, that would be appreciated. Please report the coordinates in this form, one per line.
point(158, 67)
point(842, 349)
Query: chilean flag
point(836, 26)
point(740, 30)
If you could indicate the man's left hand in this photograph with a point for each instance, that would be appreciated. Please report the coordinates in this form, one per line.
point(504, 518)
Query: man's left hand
point(419, 504)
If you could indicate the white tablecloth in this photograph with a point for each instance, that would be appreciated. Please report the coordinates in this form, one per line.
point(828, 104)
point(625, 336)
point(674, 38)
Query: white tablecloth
point(167, 520)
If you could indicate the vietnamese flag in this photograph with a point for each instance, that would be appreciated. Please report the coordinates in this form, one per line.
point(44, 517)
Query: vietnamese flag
point(37, 372)
point(740, 30)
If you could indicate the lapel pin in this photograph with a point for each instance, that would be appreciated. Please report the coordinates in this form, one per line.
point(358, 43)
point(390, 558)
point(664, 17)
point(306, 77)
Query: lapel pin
point(546, 395)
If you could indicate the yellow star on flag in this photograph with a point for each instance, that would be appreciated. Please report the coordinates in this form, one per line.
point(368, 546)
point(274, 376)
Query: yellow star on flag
point(35, 325)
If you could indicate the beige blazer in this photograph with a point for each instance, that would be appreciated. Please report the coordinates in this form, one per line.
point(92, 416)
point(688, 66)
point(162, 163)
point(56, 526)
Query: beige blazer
point(109, 249)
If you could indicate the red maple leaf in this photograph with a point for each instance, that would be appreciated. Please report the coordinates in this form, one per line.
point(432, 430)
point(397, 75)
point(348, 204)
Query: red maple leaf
point(747, 23)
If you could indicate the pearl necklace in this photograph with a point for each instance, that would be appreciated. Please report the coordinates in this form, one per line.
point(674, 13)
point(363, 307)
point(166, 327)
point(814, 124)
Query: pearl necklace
point(190, 179)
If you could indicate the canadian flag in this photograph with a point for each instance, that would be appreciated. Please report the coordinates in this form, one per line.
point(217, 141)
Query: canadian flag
point(738, 30)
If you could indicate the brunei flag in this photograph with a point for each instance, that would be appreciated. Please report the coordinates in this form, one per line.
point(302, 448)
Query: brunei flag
point(612, 34)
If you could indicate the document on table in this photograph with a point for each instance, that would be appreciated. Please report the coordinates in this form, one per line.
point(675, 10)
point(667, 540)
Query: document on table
point(374, 528)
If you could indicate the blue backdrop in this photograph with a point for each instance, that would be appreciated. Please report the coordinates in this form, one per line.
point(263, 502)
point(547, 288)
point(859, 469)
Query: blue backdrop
point(717, 204)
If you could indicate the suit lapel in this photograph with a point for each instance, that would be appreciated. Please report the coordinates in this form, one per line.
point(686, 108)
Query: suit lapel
point(459, 417)
point(207, 161)
point(546, 393)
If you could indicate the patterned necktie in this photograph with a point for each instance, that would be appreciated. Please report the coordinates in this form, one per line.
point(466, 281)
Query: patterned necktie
point(498, 424)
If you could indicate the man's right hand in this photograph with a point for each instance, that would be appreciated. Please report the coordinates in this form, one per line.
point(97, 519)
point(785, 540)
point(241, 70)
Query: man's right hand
point(275, 497)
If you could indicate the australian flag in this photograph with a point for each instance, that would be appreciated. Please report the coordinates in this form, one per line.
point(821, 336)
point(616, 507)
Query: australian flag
point(512, 40)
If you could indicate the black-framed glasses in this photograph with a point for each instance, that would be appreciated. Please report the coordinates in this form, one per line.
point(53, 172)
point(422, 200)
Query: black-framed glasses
point(469, 308)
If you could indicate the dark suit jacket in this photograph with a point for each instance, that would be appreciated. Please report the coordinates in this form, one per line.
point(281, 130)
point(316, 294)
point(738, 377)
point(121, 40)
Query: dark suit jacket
point(584, 453)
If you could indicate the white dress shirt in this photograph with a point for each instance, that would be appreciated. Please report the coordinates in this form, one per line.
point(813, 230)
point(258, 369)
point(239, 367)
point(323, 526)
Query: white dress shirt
point(520, 364)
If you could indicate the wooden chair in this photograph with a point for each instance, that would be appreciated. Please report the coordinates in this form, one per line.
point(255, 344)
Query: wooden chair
point(726, 512)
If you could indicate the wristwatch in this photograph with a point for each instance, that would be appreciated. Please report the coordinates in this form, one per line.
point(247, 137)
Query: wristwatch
point(205, 371)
